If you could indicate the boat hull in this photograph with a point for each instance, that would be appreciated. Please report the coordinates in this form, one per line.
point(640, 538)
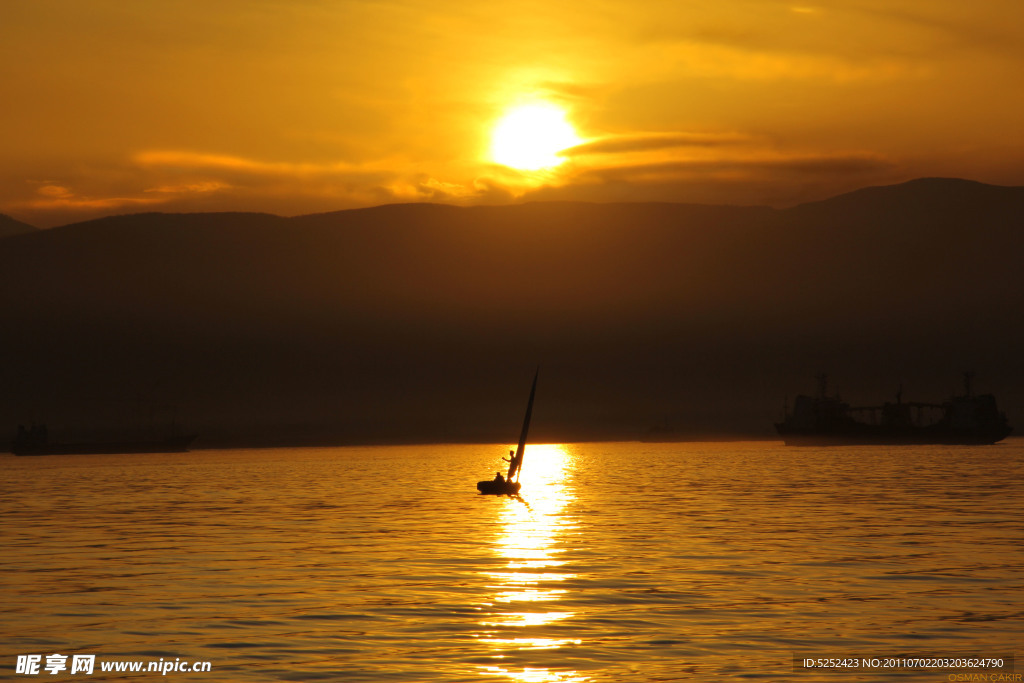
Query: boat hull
point(882, 439)
point(174, 444)
point(498, 488)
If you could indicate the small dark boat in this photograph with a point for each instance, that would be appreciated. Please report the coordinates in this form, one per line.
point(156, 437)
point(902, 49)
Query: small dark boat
point(509, 485)
point(36, 441)
point(498, 487)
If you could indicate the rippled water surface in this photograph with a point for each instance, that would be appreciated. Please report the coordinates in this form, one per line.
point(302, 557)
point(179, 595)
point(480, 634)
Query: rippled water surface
point(622, 562)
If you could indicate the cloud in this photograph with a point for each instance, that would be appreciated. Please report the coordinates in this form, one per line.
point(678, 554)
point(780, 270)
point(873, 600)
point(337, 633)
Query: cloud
point(204, 172)
point(189, 160)
point(570, 91)
point(841, 43)
point(643, 166)
point(54, 191)
point(740, 63)
point(642, 142)
point(751, 177)
point(800, 165)
point(952, 27)
point(288, 186)
point(439, 190)
point(187, 180)
point(59, 197)
point(190, 188)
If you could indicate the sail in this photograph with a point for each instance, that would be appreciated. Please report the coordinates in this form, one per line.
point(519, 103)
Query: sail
point(517, 460)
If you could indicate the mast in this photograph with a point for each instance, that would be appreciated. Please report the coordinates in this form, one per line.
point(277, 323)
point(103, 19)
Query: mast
point(517, 459)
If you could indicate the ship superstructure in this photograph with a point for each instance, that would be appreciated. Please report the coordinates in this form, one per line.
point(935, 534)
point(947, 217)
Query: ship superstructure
point(825, 420)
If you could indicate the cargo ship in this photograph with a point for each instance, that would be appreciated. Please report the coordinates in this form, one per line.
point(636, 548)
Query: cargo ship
point(824, 420)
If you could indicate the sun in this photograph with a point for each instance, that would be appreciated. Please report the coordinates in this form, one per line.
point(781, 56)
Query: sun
point(530, 136)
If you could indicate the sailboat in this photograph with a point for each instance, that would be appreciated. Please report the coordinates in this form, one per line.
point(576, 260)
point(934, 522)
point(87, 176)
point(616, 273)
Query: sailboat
point(509, 485)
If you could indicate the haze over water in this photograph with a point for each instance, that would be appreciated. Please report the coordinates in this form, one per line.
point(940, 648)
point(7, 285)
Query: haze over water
point(623, 561)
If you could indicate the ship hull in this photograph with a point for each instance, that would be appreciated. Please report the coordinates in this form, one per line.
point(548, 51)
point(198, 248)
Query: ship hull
point(867, 439)
point(174, 444)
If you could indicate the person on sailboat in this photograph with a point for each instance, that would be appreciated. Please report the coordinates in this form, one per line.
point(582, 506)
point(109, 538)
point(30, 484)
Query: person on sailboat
point(511, 454)
point(498, 478)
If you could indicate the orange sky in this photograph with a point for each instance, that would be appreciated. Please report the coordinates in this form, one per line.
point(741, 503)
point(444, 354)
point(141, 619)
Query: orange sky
point(314, 105)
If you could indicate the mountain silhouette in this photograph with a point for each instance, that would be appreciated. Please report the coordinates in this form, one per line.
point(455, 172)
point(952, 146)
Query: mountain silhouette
point(411, 322)
point(10, 226)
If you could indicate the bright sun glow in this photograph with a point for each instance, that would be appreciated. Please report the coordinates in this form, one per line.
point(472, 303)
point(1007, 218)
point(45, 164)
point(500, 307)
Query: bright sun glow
point(530, 136)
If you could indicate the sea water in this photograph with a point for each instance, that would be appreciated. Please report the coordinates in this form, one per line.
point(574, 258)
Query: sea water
point(620, 562)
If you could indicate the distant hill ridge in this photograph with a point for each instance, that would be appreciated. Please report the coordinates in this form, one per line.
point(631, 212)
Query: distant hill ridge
point(918, 192)
point(408, 321)
point(935, 194)
point(9, 226)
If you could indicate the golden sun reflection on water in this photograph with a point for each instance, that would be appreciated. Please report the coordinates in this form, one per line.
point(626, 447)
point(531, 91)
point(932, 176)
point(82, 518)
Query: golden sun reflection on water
point(528, 675)
point(525, 588)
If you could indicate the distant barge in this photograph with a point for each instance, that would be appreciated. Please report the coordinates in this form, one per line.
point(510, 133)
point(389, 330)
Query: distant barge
point(825, 420)
point(35, 441)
